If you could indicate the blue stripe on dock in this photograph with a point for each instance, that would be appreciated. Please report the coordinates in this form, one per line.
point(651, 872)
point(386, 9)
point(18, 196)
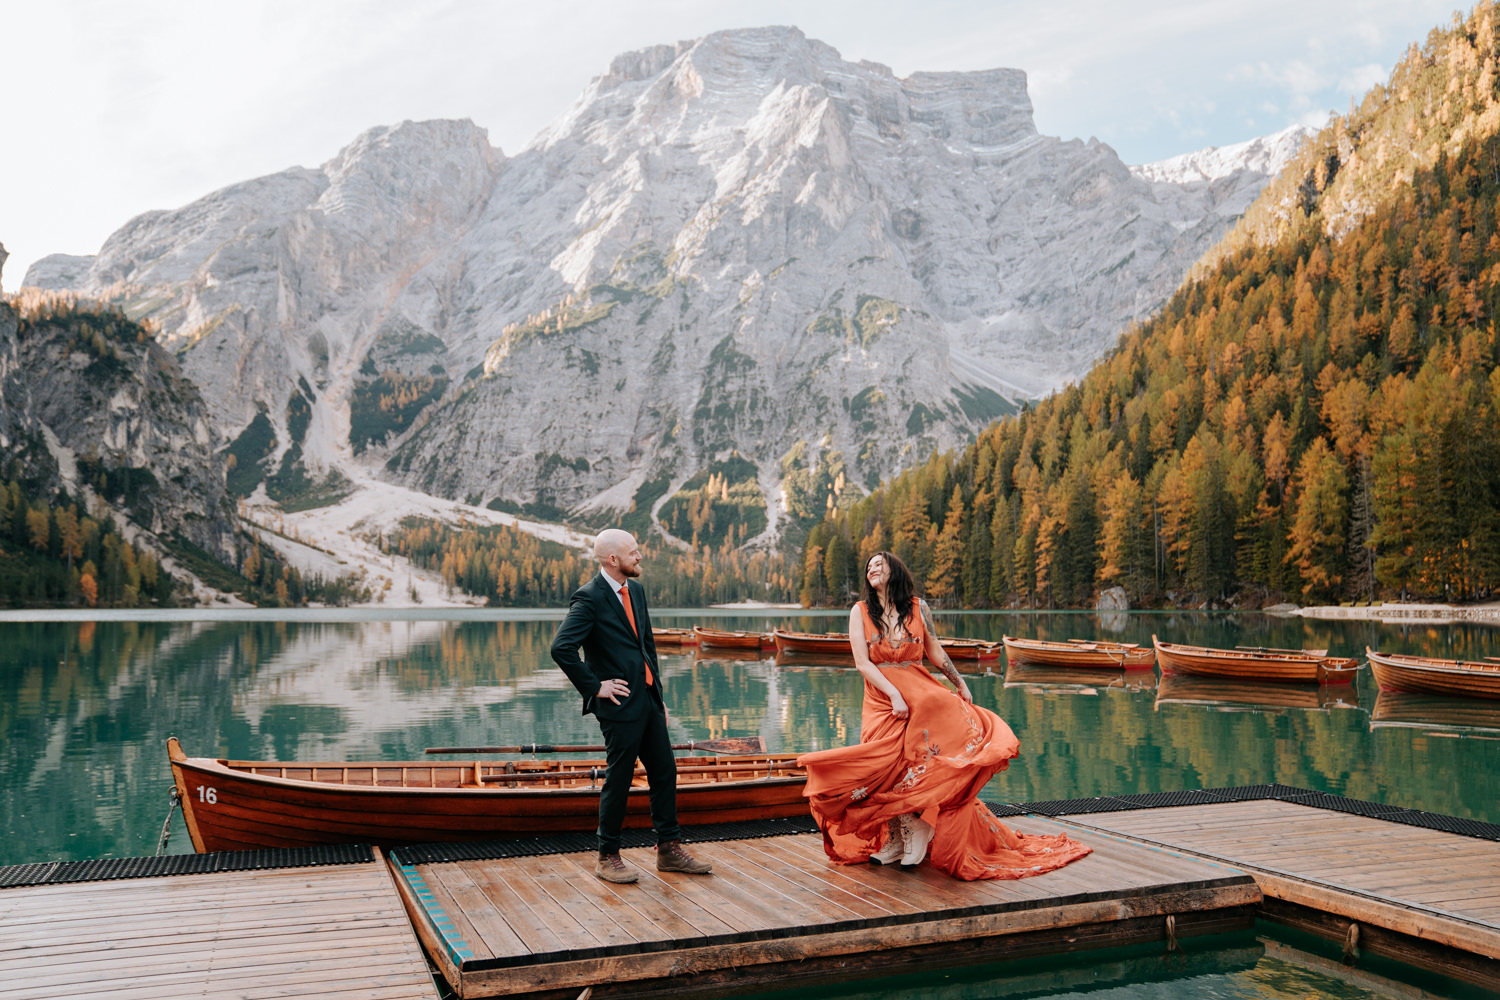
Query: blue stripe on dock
point(458, 949)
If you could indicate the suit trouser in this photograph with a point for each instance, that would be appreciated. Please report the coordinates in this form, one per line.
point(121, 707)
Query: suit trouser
point(645, 739)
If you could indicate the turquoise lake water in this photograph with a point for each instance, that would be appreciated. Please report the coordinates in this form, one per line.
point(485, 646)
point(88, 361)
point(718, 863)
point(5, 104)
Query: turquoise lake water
point(87, 707)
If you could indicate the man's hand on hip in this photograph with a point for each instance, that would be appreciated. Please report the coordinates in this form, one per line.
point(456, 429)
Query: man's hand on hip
point(614, 690)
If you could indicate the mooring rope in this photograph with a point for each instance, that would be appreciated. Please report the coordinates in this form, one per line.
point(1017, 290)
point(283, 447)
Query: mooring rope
point(166, 824)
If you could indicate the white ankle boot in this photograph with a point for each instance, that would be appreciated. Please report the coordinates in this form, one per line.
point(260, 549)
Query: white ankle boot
point(894, 847)
point(917, 833)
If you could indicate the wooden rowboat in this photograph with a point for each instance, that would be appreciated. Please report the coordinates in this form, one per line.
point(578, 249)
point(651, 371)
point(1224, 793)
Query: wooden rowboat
point(712, 638)
point(1430, 675)
point(673, 636)
point(1079, 653)
point(822, 643)
point(970, 649)
point(235, 805)
point(1283, 666)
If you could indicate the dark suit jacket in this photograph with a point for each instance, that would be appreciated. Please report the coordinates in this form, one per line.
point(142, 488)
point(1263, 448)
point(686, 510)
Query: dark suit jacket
point(596, 624)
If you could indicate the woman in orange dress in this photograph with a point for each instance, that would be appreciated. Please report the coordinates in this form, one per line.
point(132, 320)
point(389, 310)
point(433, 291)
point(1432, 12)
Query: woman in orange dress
point(911, 785)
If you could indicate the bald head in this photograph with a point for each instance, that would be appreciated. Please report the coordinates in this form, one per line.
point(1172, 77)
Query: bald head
point(617, 552)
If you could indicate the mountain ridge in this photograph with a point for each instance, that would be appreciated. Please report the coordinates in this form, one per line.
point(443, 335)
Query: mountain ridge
point(738, 245)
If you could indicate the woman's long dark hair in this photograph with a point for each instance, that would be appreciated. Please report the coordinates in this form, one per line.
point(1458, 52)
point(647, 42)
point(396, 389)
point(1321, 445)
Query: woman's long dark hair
point(900, 588)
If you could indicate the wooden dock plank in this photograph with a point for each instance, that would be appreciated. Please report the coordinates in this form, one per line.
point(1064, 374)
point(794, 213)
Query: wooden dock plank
point(802, 905)
point(782, 850)
point(623, 923)
point(483, 925)
point(647, 901)
point(100, 928)
point(780, 903)
point(773, 866)
point(147, 952)
point(534, 935)
point(331, 931)
point(928, 895)
point(726, 888)
point(100, 920)
point(687, 895)
point(1427, 884)
point(542, 914)
point(228, 968)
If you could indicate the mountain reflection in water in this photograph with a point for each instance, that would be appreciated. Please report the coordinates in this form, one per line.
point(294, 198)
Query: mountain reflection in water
point(87, 708)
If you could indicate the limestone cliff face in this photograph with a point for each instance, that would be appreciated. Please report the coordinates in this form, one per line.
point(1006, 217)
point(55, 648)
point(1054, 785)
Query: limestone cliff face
point(292, 278)
point(89, 404)
point(742, 244)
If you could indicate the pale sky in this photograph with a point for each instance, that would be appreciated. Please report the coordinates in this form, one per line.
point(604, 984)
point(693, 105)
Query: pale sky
point(111, 109)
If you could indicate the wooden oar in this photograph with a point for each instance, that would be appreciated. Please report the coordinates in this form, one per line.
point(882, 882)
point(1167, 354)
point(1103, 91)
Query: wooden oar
point(750, 770)
point(1293, 652)
point(730, 745)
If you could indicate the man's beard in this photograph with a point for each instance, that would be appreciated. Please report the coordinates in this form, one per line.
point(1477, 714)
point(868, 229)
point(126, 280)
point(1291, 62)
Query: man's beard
point(630, 572)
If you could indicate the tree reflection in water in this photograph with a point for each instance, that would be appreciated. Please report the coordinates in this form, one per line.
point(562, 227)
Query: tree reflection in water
point(87, 708)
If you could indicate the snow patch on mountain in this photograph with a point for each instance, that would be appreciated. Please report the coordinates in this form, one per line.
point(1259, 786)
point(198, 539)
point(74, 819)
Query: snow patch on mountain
point(1265, 155)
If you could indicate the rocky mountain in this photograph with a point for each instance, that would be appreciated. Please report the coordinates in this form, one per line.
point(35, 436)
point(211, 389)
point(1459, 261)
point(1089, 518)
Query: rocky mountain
point(90, 404)
point(741, 256)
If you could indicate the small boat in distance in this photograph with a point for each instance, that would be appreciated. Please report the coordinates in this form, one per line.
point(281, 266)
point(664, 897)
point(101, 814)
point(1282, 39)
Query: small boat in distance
point(970, 649)
point(1285, 666)
point(712, 638)
point(831, 647)
point(1079, 653)
point(1430, 675)
point(673, 636)
point(237, 805)
point(822, 643)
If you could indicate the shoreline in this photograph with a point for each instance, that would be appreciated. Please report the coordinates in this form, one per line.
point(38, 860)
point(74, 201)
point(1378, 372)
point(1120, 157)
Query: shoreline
point(1435, 614)
point(1395, 611)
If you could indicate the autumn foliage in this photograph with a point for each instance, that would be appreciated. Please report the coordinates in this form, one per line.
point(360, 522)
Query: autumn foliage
point(512, 568)
point(1317, 416)
point(53, 552)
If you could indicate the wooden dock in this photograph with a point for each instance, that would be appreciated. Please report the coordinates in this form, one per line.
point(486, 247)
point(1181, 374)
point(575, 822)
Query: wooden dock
point(776, 912)
point(1428, 897)
point(529, 918)
point(333, 931)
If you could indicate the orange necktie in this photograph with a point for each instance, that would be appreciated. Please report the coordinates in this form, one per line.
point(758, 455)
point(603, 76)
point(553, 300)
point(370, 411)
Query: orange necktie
point(630, 613)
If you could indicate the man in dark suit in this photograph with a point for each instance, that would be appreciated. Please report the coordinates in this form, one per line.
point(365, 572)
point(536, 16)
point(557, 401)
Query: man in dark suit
point(621, 685)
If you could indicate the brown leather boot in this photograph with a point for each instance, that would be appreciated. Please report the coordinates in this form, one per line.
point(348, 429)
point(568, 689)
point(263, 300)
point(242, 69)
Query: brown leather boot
point(671, 857)
point(613, 868)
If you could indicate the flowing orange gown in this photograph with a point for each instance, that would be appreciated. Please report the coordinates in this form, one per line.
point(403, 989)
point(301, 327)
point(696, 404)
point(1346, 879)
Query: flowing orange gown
point(934, 763)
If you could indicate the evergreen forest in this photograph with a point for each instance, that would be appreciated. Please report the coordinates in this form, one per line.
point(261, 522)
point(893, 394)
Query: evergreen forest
point(1312, 417)
point(54, 553)
point(510, 567)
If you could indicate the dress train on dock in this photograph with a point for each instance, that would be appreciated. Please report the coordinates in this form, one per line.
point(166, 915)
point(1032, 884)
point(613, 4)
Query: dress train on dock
point(932, 764)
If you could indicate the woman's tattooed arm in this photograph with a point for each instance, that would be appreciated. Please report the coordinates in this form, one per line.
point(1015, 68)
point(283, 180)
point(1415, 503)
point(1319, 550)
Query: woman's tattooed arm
point(937, 653)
